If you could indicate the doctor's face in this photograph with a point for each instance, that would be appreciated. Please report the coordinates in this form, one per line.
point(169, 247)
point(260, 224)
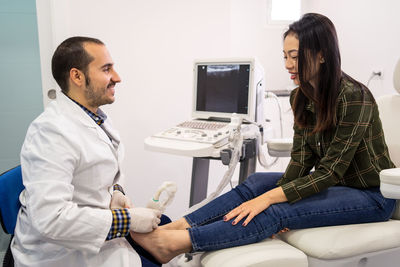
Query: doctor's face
point(101, 77)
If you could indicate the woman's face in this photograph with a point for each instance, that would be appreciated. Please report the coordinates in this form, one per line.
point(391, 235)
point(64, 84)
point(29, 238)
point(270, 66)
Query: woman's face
point(290, 53)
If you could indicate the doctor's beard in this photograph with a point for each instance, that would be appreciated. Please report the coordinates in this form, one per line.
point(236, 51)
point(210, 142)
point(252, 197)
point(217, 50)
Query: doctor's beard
point(97, 97)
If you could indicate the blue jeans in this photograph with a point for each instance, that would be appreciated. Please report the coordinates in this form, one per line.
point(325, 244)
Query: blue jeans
point(337, 205)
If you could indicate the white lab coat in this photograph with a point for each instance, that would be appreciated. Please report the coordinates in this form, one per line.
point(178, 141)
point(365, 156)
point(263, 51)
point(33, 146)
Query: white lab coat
point(69, 166)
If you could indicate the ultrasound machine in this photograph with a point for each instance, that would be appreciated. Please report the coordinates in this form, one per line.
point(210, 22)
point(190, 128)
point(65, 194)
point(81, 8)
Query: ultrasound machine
point(221, 88)
point(227, 94)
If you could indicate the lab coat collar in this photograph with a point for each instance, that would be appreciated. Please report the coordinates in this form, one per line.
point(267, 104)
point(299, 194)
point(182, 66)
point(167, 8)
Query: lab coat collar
point(80, 115)
point(74, 110)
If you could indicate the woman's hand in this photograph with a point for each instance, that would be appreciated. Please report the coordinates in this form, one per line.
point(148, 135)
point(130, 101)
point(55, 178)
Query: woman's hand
point(249, 208)
point(253, 207)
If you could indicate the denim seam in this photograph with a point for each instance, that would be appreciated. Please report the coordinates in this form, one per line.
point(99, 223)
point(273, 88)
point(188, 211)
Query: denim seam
point(261, 233)
point(189, 221)
point(211, 218)
point(229, 209)
point(244, 199)
point(205, 221)
point(194, 244)
point(330, 212)
point(239, 192)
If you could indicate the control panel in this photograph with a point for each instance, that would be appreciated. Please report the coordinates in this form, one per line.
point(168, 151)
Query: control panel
point(215, 137)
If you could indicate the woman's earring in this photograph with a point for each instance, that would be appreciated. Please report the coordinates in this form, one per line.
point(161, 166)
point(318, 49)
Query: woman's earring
point(322, 60)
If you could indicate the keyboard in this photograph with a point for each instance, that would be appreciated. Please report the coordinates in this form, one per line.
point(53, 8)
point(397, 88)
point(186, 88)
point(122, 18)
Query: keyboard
point(203, 125)
point(209, 132)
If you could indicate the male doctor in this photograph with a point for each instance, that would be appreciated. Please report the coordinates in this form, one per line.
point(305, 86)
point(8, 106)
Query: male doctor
point(74, 211)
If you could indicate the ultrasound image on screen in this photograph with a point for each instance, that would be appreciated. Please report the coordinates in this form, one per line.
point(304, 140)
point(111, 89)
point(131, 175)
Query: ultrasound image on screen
point(223, 88)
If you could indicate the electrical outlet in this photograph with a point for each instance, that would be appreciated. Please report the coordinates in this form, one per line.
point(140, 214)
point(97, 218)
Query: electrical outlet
point(377, 73)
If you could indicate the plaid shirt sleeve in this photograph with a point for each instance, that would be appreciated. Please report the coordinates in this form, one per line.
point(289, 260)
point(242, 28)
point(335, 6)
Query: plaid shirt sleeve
point(302, 158)
point(354, 115)
point(119, 188)
point(120, 223)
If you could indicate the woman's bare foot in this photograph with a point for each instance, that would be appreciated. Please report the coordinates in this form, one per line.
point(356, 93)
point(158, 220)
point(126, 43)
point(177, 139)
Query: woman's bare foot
point(164, 244)
point(180, 224)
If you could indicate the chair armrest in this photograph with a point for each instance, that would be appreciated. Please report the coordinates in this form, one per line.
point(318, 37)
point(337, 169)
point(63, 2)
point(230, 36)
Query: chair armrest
point(279, 147)
point(390, 183)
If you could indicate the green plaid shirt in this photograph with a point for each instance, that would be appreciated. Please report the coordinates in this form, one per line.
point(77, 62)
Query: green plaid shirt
point(351, 154)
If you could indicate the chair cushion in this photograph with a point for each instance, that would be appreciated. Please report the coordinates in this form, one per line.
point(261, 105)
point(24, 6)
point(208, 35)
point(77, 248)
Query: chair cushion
point(336, 242)
point(10, 188)
point(267, 253)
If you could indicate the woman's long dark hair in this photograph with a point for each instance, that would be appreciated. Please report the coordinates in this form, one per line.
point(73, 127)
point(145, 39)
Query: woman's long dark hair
point(317, 37)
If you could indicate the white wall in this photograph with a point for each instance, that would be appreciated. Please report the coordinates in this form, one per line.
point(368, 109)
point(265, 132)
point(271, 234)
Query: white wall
point(154, 43)
point(369, 37)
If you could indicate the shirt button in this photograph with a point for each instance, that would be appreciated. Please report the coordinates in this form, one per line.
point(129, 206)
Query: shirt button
point(118, 234)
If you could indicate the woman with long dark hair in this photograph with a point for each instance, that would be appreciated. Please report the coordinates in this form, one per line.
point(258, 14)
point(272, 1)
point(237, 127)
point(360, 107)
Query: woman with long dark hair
point(337, 131)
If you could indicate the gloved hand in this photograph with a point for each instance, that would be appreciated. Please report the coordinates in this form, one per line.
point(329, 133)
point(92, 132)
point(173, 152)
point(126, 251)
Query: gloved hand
point(120, 201)
point(144, 220)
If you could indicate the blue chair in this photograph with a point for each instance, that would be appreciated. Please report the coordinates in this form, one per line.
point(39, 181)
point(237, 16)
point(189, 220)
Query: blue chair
point(10, 188)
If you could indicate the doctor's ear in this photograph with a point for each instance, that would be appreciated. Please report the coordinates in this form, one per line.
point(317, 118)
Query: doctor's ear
point(77, 77)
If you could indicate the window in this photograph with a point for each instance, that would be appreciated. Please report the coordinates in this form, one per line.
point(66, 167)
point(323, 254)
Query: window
point(283, 11)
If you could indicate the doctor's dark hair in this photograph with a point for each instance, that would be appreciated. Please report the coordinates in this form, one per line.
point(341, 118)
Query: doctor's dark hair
point(317, 38)
point(71, 54)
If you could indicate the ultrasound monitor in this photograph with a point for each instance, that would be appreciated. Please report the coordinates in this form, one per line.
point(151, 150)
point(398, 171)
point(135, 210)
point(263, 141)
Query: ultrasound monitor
point(223, 87)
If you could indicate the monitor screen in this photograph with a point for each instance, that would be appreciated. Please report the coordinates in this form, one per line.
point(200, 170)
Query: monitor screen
point(223, 88)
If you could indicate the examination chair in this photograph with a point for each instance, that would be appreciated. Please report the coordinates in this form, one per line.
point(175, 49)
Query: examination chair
point(367, 245)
